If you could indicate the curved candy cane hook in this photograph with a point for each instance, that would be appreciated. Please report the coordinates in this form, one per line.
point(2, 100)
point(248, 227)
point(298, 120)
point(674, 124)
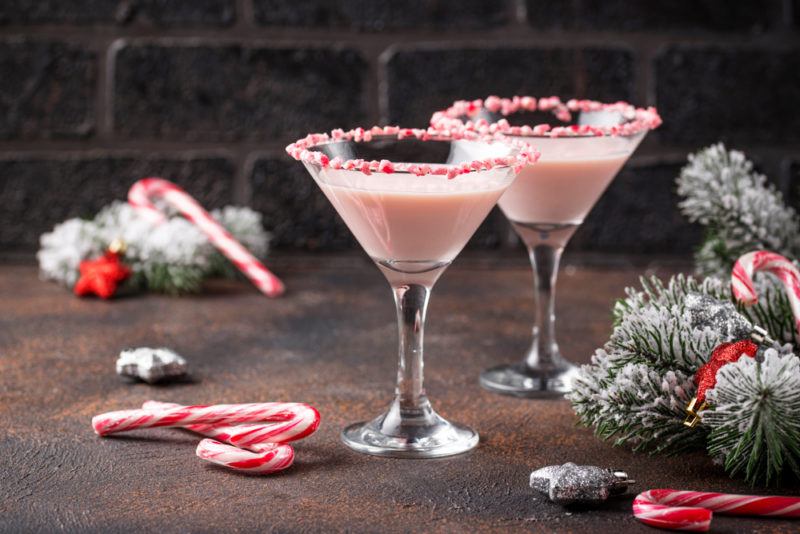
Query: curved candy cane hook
point(140, 196)
point(246, 437)
point(762, 260)
point(693, 510)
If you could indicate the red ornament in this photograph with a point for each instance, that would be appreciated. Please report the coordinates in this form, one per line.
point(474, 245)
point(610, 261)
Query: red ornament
point(101, 276)
point(706, 376)
point(725, 353)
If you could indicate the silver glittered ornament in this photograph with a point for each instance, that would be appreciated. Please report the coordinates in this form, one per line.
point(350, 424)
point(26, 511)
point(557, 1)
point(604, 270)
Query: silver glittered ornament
point(718, 315)
point(722, 317)
point(579, 484)
point(151, 365)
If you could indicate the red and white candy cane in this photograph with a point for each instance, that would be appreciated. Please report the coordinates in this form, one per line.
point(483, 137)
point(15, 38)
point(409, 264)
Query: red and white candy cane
point(140, 196)
point(287, 421)
point(763, 260)
point(270, 458)
point(300, 419)
point(693, 510)
point(253, 448)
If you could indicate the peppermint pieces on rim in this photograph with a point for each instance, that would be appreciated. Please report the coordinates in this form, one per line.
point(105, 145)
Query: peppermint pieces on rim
point(462, 115)
point(301, 150)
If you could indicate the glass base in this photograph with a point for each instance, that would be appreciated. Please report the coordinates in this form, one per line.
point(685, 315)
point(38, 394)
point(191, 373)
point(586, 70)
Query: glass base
point(522, 381)
point(421, 435)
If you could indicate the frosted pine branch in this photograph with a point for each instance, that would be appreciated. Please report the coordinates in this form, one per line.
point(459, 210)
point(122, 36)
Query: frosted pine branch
point(637, 386)
point(755, 421)
point(739, 208)
point(635, 404)
point(171, 257)
point(653, 326)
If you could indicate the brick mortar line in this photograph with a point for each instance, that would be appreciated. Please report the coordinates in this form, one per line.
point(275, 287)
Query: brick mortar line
point(34, 148)
point(248, 155)
point(372, 88)
point(104, 97)
point(520, 13)
point(45, 147)
point(245, 19)
point(512, 34)
point(788, 14)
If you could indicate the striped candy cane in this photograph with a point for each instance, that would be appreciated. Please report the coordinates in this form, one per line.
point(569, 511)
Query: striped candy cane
point(268, 459)
point(141, 195)
point(693, 510)
point(252, 448)
point(305, 418)
point(762, 260)
point(295, 421)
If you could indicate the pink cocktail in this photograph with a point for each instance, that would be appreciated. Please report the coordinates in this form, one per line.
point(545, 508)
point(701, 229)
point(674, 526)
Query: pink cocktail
point(412, 199)
point(580, 155)
point(418, 227)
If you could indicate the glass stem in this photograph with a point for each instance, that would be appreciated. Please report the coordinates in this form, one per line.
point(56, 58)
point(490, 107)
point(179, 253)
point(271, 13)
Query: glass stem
point(412, 305)
point(544, 353)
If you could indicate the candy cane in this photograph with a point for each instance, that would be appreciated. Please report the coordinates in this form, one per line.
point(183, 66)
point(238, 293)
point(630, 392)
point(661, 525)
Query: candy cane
point(303, 422)
point(304, 419)
point(144, 190)
point(252, 448)
point(762, 260)
point(269, 459)
point(692, 510)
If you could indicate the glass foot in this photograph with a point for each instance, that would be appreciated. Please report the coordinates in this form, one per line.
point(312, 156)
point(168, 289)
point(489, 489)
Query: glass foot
point(522, 381)
point(426, 435)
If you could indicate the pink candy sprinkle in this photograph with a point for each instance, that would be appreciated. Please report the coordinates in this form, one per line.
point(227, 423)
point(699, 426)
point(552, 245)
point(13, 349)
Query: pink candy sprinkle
point(461, 115)
point(301, 149)
point(386, 166)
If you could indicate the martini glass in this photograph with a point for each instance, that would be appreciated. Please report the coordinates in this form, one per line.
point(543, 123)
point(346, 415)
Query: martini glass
point(412, 201)
point(580, 156)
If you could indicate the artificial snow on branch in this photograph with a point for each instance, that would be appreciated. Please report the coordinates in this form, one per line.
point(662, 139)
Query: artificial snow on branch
point(755, 424)
point(171, 257)
point(740, 209)
point(637, 386)
point(636, 389)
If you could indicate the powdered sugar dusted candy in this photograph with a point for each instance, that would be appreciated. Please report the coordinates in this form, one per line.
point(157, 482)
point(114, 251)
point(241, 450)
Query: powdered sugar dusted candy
point(465, 114)
point(151, 365)
point(302, 150)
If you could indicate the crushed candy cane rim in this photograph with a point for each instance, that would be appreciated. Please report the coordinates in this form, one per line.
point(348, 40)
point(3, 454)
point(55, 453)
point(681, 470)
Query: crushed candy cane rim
point(301, 151)
point(636, 119)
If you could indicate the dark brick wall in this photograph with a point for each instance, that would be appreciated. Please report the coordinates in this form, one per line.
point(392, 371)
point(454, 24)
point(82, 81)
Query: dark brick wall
point(97, 93)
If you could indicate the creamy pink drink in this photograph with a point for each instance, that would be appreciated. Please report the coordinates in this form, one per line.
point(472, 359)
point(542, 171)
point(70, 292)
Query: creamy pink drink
point(559, 191)
point(406, 218)
point(412, 198)
point(583, 145)
point(549, 201)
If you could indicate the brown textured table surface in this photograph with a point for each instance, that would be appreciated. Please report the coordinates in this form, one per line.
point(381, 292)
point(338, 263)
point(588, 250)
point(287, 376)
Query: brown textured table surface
point(330, 342)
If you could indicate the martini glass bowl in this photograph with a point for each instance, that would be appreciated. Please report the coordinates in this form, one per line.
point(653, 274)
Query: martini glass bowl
point(412, 201)
point(581, 153)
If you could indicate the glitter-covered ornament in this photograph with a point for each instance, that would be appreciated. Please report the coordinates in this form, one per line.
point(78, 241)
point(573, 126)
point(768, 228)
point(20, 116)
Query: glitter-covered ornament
point(717, 315)
point(746, 340)
point(579, 484)
point(151, 365)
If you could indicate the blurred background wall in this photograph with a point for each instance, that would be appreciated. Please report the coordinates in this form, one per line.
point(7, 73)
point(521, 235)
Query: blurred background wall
point(95, 94)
